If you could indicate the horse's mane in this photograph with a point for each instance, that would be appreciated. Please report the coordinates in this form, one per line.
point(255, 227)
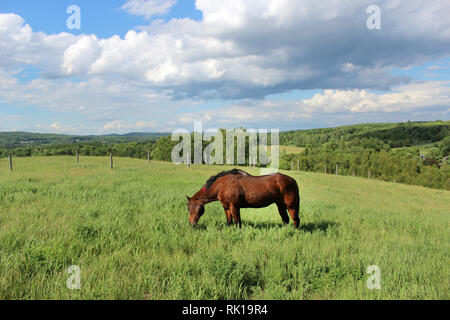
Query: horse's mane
point(211, 180)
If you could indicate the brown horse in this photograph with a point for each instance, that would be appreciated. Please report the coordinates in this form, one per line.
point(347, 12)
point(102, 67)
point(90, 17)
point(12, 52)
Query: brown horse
point(237, 189)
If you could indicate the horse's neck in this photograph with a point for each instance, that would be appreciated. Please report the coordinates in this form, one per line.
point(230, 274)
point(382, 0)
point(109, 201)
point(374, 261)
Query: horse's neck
point(211, 197)
point(207, 196)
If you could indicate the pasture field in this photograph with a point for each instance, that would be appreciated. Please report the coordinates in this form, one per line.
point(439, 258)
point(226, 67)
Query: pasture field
point(290, 149)
point(127, 230)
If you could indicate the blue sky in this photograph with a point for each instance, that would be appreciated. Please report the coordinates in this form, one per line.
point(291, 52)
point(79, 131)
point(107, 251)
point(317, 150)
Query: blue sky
point(158, 65)
point(101, 17)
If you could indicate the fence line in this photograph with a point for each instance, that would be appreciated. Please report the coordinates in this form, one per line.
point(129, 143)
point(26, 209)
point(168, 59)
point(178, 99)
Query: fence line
point(188, 163)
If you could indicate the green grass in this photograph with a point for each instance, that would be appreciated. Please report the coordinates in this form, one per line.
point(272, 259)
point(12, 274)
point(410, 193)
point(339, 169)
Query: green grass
point(291, 149)
point(422, 147)
point(127, 229)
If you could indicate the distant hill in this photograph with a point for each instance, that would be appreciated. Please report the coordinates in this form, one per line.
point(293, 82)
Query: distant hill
point(27, 139)
point(393, 134)
point(411, 152)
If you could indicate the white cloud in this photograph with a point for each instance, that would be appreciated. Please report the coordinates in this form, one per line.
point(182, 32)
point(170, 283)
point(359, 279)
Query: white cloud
point(424, 98)
point(148, 8)
point(19, 45)
point(122, 126)
point(80, 56)
point(404, 99)
point(56, 127)
point(242, 49)
point(247, 49)
point(436, 67)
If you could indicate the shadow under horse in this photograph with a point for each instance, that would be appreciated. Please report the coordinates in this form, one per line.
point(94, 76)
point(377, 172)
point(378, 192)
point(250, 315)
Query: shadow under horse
point(237, 189)
point(308, 227)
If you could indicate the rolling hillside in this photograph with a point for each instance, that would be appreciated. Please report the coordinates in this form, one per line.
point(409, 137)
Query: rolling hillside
point(127, 230)
point(28, 139)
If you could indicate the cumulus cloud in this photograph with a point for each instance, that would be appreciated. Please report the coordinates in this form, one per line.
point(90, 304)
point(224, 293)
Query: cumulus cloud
point(330, 106)
point(241, 49)
point(122, 126)
point(249, 49)
point(20, 45)
point(79, 57)
point(97, 101)
point(404, 99)
point(148, 8)
point(56, 127)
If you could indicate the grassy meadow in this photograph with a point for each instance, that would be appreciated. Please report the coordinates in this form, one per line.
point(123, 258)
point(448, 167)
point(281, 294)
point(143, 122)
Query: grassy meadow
point(127, 230)
point(290, 149)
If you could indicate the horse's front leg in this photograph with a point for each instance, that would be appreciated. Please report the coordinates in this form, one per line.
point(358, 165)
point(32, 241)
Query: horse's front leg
point(228, 214)
point(236, 213)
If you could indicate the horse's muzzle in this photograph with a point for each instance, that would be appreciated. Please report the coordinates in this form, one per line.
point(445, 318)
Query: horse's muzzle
point(193, 224)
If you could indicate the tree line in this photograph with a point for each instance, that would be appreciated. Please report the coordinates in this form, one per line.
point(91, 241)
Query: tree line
point(360, 156)
point(393, 134)
point(411, 153)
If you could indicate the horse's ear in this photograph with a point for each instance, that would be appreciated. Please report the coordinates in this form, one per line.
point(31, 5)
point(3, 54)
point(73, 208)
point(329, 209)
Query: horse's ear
point(187, 197)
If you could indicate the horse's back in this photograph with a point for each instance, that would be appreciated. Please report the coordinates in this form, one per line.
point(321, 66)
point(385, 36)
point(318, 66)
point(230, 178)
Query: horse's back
point(276, 181)
point(261, 191)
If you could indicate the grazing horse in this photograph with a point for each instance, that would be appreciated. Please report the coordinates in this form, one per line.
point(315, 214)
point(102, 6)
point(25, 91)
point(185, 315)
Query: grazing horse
point(237, 189)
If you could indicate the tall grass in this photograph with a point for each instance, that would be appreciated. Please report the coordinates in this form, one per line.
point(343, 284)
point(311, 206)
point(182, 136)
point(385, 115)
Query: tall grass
point(127, 229)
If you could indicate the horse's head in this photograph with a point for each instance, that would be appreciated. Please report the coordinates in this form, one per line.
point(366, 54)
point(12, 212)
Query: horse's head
point(196, 210)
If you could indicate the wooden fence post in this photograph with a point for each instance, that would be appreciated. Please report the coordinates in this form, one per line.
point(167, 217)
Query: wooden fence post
point(148, 156)
point(188, 160)
point(336, 169)
point(78, 157)
point(298, 165)
point(10, 163)
point(325, 169)
point(368, 175)
point(292, 165)
point(111, 161)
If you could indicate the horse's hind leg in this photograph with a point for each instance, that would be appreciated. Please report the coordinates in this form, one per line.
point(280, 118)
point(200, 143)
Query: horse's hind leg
point(292, 202)
point(282, 210)
point(294, 213)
